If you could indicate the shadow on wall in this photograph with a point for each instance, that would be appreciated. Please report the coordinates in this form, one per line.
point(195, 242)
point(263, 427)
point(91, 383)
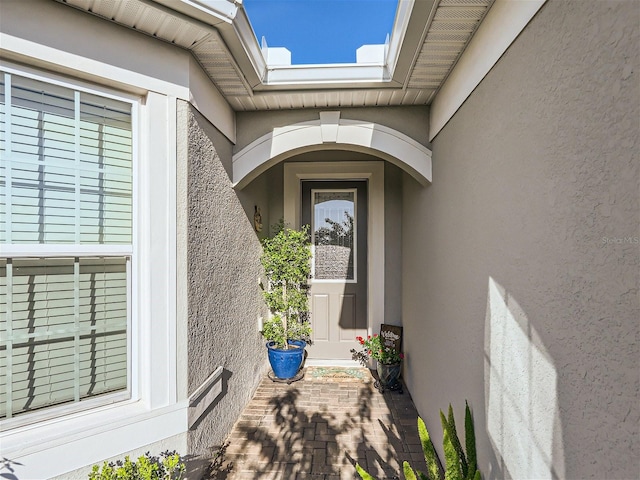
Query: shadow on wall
point(521, 398)
point(7, 470)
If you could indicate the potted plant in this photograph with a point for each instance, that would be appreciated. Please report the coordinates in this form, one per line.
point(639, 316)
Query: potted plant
point(389, 361)
point(286, 260)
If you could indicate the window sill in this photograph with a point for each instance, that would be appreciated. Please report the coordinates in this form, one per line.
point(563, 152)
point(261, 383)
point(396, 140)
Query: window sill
point(107, 427)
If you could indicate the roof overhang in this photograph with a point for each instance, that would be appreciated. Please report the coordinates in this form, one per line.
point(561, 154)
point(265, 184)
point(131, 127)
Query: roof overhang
point(432, 57)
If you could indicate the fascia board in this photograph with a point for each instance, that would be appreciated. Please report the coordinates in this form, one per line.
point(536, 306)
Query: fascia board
point(338, 75)
point(407, 37)
point(234, 28)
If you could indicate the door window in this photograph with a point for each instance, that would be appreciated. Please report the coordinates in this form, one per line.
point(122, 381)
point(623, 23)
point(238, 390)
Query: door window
point(334, 234)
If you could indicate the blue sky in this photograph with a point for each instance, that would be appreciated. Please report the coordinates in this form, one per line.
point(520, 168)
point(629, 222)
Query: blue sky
point(321, 31)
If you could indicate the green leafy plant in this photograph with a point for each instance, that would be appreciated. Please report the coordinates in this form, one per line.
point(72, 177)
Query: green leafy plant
point(286, 260)
point(458, 465)
point(273, 330)
point(169, 466)
point(373, 347)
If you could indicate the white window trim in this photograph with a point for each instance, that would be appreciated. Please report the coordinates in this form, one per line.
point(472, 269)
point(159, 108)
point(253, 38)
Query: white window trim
point(16, 251)
point(151, 414)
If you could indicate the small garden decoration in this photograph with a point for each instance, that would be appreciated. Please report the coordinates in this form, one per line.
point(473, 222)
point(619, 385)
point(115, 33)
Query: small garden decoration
point(389, 361)
point(374, 348)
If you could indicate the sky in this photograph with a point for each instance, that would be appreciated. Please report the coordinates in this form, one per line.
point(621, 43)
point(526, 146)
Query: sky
point(321, 31)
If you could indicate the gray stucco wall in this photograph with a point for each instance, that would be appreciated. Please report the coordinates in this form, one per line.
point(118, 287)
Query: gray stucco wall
point(393, 244)
point(224, 300)
point(521, 260)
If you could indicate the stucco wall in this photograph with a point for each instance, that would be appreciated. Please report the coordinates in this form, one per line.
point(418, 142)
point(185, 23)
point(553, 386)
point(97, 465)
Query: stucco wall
point(223, 293)
point(393, 244)
point(521, 260)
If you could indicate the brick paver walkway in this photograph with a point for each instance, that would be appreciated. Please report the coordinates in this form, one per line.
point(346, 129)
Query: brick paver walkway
point(318, 429)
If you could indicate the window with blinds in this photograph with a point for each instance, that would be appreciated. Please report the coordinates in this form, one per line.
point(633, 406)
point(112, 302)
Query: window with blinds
point(66, 180)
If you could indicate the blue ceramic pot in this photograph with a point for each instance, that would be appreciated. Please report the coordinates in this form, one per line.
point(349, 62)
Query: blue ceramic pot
point(286, 363)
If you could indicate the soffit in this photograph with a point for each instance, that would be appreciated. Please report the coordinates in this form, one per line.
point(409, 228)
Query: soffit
point(225, 49)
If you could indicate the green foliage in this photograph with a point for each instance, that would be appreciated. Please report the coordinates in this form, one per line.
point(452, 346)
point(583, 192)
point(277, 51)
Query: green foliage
point(169, 466)
point(458, 465)
point(455, 441)
point(430, 455)
point(364, 475)
point(286, 260)
point(373, 347)
point(273, 330)
point(470, 442)
point(453, 470)
point(409, 474)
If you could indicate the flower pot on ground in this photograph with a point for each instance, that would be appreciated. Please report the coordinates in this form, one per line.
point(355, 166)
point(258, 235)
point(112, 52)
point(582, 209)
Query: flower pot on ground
point(389, 361)
point(286, 363)
point(286, 260)
point(388, 375)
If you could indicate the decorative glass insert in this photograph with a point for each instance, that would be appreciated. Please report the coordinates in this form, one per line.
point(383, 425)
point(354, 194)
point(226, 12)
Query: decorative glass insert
point(334, 223)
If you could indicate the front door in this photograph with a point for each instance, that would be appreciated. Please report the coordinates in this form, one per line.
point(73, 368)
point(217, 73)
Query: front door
point(337, 214)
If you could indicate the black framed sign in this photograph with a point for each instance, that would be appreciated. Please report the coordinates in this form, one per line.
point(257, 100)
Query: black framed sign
point(391, 336)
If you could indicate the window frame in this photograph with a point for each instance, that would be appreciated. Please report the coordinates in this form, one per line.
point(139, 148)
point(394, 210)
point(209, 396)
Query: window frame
point(67, 250)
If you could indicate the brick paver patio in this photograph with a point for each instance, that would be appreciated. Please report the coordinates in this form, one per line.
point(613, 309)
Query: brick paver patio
point(319, 428)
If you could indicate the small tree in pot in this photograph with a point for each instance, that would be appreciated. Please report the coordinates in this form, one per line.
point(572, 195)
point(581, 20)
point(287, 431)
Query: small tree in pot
point(286, 260)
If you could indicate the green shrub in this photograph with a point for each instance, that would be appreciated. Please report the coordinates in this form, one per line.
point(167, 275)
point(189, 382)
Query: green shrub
point(286, 260)
point(169, 466)
point(458, 465)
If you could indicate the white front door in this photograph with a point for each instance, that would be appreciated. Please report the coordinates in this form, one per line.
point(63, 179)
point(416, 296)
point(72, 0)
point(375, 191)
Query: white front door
point(337, 214)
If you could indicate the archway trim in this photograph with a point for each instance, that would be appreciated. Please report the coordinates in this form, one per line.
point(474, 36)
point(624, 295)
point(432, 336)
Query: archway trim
point(330, 132)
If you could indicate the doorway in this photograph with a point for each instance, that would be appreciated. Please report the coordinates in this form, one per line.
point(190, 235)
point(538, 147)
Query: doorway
point(344, 176)
point(337, 214)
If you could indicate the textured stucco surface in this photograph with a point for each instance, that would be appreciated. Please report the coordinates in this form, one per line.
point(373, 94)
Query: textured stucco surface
point(224, 298)
point(393, 244)
point(521, 261)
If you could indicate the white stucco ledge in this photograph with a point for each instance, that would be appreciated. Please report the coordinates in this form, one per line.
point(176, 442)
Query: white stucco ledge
point(329, 132)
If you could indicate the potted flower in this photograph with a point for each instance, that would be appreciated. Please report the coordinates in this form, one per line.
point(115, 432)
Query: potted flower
point(286, 260)
point(389, 361)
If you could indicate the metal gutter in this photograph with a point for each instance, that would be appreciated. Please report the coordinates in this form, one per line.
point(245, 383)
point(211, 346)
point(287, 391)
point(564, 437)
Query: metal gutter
point(232, 23)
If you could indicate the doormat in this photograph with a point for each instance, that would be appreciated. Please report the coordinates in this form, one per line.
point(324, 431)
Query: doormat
point(338, 374)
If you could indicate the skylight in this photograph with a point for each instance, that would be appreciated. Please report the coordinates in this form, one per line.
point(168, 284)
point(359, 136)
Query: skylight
point(320, 32)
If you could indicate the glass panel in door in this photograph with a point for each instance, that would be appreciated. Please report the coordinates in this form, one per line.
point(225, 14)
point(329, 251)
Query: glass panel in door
point(334, 235)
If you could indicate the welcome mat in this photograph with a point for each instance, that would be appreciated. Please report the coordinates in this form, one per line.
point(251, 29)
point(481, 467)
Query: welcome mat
point(338, 374)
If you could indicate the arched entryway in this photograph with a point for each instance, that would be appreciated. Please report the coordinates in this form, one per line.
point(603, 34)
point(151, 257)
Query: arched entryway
point(352, 304)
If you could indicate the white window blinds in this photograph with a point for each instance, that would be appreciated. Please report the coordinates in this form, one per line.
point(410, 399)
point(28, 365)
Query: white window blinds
point(66, 177)
point(69, 169)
